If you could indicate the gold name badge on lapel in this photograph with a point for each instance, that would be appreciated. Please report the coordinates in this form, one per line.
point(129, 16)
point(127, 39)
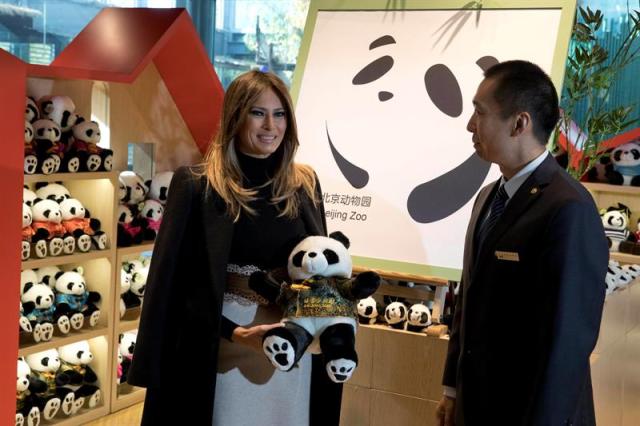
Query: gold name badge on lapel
point(511, 256)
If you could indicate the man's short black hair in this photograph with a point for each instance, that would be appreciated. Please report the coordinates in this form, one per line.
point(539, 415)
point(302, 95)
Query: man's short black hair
point(523, 86)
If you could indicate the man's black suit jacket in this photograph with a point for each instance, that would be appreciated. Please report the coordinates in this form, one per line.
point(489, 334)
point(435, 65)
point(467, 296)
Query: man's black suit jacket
point(529, 307)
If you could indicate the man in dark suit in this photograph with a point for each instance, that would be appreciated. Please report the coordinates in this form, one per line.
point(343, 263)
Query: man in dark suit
point(530, 302)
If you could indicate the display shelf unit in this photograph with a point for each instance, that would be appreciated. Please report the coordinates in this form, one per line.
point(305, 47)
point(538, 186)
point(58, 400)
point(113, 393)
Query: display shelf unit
point(144, 75)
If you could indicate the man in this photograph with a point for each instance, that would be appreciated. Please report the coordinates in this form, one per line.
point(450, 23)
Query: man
point(530, 301)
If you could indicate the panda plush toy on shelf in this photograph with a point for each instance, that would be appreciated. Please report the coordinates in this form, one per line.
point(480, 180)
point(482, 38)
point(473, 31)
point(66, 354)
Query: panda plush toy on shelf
point(44, 366)
point(418, 318)
point(130, 229)
point(54, 191)
point(76, 371)
point(27, 232)
point(27, 413)
point(37, 305)
point(368, 310)
point(74, 301)
point(138, 271)
point(151, 218)
point(31, 112)
point(319, 305)
point(47, 144)
point(78, 222)
point(126, 346)
point(86, 137)
point(30, 154)
point(395, 314)
point(625, 164)
point(159, 187)
point(134, 191)
point(61, 110)
point(615, 220)
point(47, 224)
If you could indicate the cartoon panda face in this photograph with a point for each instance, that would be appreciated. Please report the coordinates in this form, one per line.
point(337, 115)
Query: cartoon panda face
point(386, 123)
point(72, 209)
point(23, 375)
point(52, 191)
point(367, 307)
point(127, 344)
point(87, 131)
point(615, 219)
point(59, 109)
point(48, 275)
point(159, 189)
point(152, 209)
point(71, 282)
point(27, 216)
point(318, 255)
point(41, 295)
point(419, 315)
point(395, 313)
point(76, 353)
point(46, 211)
point(31, 112)
point(135, 188)
point(46, 130)
point(28, 132)
point(46, 361)
point(627, 154)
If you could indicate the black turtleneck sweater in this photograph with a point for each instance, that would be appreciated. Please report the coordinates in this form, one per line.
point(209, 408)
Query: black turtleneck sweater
point(264, 239)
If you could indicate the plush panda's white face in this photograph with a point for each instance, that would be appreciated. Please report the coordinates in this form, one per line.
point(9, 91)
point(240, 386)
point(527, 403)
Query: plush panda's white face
point(395, 312)
point(159, 189)
point(48, 275)
point(125, 281)
point(127, 344)
point(60, 109)
point(71, 282)
point(419, 315)
point(87, 131)
point(53, 191)
point(152, 209)
point(40, 294)
point(321, 256)
point(26, 215)
point(28, 132)
point(135, 188)
point(28, 196)
point(72, 209)
point(46, 211)
point(45, 361)
point(124, 214)
point(31, 112)
point(28, 277)
point(626, 155)
point(367, 308)
point(76, 353)
point(615, 219)
point(23, 375)
point(46, 130)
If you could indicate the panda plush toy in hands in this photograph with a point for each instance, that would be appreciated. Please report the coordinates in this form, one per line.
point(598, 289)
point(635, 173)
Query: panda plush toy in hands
point(319, 305)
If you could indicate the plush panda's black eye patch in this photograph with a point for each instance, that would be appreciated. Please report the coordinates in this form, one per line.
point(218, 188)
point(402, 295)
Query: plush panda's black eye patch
point(332, 257)
point(79, 354)
point(402, 311)
point(45, 361)
point(70, 286)
point(89, 132)
point(122, 217)
point(40, 132)
point(297, 258)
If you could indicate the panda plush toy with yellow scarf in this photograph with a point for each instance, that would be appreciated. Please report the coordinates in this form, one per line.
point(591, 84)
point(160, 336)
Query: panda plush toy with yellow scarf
point(319, 302)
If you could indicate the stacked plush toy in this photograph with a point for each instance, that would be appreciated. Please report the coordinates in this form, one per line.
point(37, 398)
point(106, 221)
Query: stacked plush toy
point(133, 281)
point(398, 314)
point(141, 206)
point(126, 346)
point(615, 220)
point(54, 223)
point(60, 382)
point(59, 140)
point(51, 296)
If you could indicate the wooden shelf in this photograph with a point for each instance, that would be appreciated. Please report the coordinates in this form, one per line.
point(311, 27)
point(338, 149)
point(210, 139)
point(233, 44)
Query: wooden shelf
point(125, 400)
point(84, 416)
point(616, 189)
point(625, 257)
point(65, 259)
point(125, 326)
point(427, 279)
point(135, 250)
point(57, 341)
point(66, 177)
point(415, 292)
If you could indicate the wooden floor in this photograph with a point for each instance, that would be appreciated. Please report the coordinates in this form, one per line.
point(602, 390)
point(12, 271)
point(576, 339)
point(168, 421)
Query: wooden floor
point(128, 417)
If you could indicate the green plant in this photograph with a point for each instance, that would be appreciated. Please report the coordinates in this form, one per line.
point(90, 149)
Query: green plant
point(590, 73)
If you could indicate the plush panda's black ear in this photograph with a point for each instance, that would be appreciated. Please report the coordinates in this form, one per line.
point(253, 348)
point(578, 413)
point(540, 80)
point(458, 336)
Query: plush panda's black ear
point(80, 120)
point(26, 288)
point(120, 338)
point(59, 274)
point(148, 183)
point(47, 106)
point(339, 236)
point(41, 185)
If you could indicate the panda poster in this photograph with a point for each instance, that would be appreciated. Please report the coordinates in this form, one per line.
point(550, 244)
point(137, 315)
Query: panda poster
point(383, 97)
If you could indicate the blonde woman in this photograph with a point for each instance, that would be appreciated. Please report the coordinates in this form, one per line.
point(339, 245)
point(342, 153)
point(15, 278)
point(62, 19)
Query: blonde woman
point(198, 351)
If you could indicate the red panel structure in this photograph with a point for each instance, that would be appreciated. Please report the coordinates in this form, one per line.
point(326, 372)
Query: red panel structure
point(12, 93)
point(119, 43)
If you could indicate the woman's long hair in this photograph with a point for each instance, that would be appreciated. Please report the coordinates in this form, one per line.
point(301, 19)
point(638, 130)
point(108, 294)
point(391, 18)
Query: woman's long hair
point(221, 161)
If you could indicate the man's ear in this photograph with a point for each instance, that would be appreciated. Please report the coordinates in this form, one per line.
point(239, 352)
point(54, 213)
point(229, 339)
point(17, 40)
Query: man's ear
point(521, 123)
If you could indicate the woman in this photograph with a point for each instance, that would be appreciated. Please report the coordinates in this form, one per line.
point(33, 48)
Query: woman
point(242, 210)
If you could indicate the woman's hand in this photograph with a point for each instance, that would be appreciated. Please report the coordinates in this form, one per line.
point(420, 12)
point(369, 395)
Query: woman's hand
point(252, 336)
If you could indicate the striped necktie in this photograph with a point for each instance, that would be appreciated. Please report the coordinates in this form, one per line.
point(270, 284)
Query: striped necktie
point(497, 207)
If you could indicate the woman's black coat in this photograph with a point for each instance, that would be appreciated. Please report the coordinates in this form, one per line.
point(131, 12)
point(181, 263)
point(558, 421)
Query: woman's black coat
point(177, 346)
